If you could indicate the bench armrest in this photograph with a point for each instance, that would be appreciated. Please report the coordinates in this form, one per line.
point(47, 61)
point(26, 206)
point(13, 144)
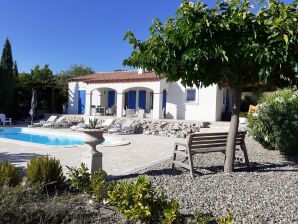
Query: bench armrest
point(180, 143)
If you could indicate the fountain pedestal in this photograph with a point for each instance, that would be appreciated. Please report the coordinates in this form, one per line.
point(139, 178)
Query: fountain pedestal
point(94, 137)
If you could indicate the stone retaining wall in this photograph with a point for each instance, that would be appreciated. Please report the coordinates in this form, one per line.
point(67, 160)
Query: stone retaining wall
point(169, 128)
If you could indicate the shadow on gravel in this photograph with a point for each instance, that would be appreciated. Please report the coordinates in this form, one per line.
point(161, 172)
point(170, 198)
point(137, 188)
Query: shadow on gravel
point(293, 159)
point(210, 170)
point(254, 167)
point(17, 158)
point(156, 172)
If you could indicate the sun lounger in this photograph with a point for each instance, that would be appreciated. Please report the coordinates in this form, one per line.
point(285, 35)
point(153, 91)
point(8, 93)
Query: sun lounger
point(50, 120)
point(106, 124)
point(55, 124)
point(126, 128)
point(78, 126)
point(4, 120)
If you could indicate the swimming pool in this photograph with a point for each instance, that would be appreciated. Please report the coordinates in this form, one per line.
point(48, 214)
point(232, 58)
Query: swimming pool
point(44, 137)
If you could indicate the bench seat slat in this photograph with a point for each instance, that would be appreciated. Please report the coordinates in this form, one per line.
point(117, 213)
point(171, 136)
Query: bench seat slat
point(216, 134)
point(239, 141)
point(199, 138)
point(207, 146)
point(209, 150)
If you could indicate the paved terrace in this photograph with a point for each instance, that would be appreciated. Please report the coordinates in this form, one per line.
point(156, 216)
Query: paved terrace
point(142, 151)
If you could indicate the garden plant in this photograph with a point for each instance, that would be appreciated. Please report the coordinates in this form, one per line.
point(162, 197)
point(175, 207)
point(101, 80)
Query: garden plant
point(275, 123)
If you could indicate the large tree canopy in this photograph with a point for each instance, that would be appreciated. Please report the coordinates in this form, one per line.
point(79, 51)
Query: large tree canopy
point(229, 45)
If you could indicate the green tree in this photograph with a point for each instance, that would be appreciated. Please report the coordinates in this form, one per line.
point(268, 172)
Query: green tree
point(61, 80)
point(7, 79)
point(76, 70)
point(15, 69)
point(23, 94)
point(229, 45)
point(73, 71)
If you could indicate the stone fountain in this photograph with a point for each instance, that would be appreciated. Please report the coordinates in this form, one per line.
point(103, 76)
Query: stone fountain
point(93, 137)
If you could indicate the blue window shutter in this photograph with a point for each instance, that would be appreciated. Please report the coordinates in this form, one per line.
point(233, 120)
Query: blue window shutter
point(142, 99)
point(81, 101)
point(191, 95)
point(111, 98)
point(132, 99)
point(164, 99)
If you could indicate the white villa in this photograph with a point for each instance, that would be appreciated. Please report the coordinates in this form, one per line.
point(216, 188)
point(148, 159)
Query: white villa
point(127, 93)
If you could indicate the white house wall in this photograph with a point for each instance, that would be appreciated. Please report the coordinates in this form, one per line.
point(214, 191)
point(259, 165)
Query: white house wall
point(208, 105)
point(203, 108)
point(73, 88)
point(220, 102)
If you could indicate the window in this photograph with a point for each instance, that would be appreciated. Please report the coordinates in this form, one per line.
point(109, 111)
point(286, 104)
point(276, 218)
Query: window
point(191, 95)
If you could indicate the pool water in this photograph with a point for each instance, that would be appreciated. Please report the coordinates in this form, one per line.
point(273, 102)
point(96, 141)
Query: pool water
point(43, 137)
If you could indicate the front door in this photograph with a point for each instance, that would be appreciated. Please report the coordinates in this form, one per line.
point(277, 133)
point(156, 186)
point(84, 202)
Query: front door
point(81, 101)
point(132, 99)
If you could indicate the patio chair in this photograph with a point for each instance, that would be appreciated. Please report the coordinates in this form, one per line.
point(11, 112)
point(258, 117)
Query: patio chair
point(130, 113)
point(141, 113)
point(56, 124)
point(111, 111)
point(4, 120)
point(50, 120)
point(126, 128)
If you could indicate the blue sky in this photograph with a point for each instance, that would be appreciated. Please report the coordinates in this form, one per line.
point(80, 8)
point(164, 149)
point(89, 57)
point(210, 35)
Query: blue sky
point(65, 32)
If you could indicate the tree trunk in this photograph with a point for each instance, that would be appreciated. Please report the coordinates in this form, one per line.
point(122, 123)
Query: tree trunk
point(230, 150)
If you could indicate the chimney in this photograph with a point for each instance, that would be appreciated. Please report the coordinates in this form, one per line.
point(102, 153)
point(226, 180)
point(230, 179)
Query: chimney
point(141, 71)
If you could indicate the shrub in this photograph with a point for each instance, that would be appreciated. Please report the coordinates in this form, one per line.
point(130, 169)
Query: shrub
point(9, 175)
point(139, 201)
point(98, 185)
point(46, 171)
point(207, 218)
point(275, 124)
point(95, 184)
point(79, 178)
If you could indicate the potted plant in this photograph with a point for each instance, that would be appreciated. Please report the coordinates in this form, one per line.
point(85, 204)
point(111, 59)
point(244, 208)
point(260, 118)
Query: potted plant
point(243, 117)
point(93, 137)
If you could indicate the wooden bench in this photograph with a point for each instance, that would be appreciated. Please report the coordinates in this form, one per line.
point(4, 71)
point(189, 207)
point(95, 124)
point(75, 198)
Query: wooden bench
point(205, 143)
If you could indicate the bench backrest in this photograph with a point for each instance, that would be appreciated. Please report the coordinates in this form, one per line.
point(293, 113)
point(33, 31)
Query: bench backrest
point(213, 140)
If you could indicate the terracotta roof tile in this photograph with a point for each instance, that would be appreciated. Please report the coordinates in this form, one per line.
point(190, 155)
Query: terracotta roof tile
point(117, 77)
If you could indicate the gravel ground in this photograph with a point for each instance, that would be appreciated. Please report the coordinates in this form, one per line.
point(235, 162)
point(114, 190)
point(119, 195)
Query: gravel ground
point(266, 193)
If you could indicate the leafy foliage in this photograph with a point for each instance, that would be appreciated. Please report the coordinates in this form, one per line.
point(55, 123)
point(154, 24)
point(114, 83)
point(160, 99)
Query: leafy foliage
point(206, 218)
point(95, 185)
point(199, 46)
point(275, 125)
point(139, 201)
point(46, 171)
point(9, 175)
point(79, 178)
point(92, 123)
point(99, 187)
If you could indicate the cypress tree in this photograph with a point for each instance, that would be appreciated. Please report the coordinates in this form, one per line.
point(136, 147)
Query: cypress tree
point(15, 69)
point(7, 79)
